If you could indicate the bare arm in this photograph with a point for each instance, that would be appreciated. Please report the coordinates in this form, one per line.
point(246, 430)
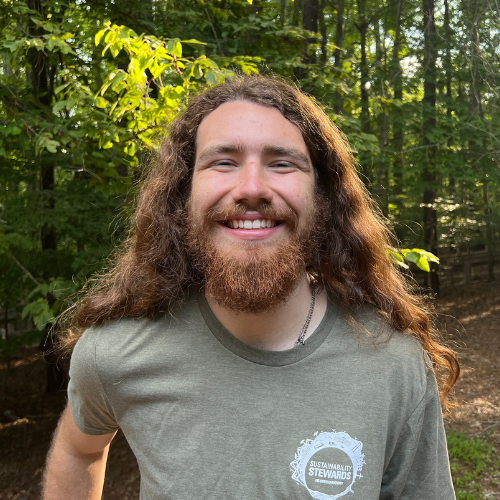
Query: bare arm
point(76, 463)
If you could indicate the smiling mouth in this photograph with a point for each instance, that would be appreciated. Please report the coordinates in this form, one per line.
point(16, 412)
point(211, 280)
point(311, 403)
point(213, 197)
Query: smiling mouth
point(250, 224)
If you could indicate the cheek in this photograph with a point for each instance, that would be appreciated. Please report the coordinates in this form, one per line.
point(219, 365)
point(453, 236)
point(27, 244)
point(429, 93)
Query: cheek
point(299, 195)
point(208, 199)
point(206, 192)
point(201, 190)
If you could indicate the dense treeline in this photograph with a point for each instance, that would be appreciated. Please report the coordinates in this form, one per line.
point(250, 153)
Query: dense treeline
point(86, 88)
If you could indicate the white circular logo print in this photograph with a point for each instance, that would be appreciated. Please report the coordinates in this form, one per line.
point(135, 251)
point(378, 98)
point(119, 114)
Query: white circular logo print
point(328, 465)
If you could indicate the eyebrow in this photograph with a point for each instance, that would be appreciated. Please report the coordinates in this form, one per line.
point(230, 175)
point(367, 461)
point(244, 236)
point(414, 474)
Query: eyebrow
point(269, 150)
point(207, 153)
point(284, 151)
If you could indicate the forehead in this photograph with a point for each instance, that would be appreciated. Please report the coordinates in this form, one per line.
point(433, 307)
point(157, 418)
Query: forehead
point(248, 124)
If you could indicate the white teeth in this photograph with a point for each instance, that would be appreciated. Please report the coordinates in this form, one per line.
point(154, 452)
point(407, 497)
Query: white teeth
point(248, 224)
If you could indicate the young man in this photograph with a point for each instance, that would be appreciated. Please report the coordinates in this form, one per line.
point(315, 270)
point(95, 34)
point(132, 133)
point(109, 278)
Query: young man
point(254, 339)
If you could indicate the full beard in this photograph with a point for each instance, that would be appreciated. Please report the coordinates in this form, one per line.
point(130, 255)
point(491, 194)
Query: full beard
point(253, 276)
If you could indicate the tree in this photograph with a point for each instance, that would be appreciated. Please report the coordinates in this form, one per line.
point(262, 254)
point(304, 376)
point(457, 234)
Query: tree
point(429, 126)
point(412, 88)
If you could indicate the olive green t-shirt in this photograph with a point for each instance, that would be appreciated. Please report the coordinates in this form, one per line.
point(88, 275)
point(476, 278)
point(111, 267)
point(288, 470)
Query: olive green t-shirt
point(353, 413)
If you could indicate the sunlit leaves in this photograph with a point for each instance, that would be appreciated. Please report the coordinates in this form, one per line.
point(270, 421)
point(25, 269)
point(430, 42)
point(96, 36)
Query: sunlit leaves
point(100, 102)
point(152, 90)
point(421, 258)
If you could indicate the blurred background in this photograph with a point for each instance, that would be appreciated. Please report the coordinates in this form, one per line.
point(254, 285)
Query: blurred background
point(86, 91)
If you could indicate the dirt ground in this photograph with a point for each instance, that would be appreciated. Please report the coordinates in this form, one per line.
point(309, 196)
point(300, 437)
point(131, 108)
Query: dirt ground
point(468, 315)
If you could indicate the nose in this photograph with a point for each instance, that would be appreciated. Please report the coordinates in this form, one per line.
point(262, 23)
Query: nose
point(252, 185)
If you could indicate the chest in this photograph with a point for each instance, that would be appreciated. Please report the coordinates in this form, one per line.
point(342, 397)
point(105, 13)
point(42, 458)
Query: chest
point(247, 431)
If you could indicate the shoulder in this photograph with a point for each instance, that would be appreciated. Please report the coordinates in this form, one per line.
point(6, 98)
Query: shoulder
point(110, 334)
point(117, 338)
point(372, 330)
point(386, 353)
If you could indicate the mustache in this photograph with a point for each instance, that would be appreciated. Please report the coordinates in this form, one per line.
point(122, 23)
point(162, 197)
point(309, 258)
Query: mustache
point(267, 210)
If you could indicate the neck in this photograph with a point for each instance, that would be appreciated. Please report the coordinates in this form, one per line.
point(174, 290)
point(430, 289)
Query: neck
point(278, 329)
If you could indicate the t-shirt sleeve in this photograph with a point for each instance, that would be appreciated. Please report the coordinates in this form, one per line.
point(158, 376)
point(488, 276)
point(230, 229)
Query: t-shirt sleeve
point(419, 467)
point(89, 404)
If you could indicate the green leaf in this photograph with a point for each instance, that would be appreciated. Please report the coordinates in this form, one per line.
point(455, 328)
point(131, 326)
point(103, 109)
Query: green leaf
point(38, 43)
point(115, 48)
point(71, 103)
point(43, 289)
point(42, 319)
point(13, 130)
point(192, 40)
point(423, 264)
point(52, 146)
point(214, 77)
point(427, 255)
point(77, 134)
point(25, 311)
point(412, 257)
point(13, 46)
point(51, 43)
point(58, 106)
point(158, 70)
point(65, 48)
point(397, 258)
point(175, 48)
point(130, 149)
point(61, 87)
point(98, 36)
point(117, 78)
point(100, 102)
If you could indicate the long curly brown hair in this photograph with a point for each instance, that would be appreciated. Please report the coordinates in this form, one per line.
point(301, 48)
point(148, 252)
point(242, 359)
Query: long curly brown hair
point(152, 268)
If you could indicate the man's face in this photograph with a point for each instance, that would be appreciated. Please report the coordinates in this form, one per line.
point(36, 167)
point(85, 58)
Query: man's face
point(252, 198)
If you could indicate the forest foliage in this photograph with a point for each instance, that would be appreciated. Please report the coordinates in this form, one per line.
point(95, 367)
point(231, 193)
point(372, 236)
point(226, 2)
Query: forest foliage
point(87, 88)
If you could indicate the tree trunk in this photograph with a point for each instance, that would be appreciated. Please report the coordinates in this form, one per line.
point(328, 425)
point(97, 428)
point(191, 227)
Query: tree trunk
point(397, 124)
point(362, 26)
point(39, 76)
point(365, 161)
point(338, 105)
point(383, 123)
point(429, 122)
point(448, 68)
point(42, 82)
point(310, 12)
point(296, 13)
point(6, 320)
point(324, 34)
point(475, 106)
point(489, 234)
